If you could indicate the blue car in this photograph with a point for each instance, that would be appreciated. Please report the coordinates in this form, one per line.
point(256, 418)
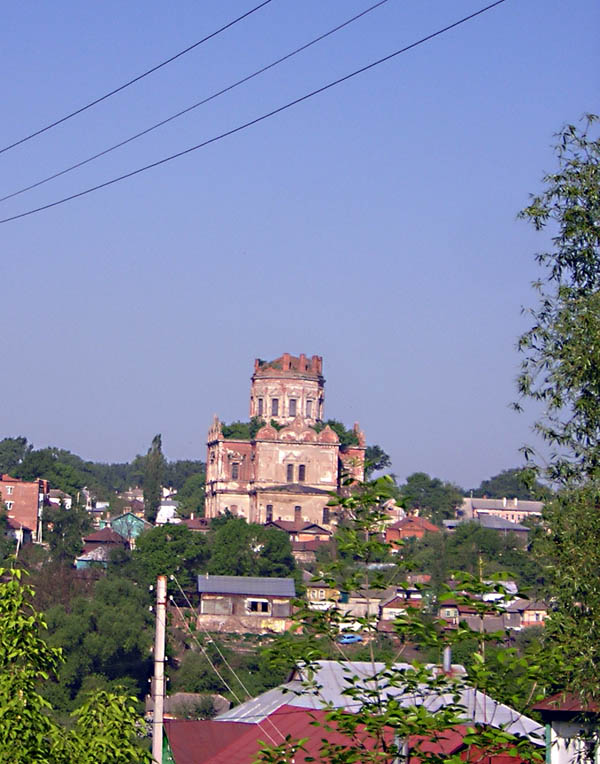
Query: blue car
point(349, 639)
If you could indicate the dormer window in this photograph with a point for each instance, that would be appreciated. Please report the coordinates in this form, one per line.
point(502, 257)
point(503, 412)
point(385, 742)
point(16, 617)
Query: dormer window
point(292, 407)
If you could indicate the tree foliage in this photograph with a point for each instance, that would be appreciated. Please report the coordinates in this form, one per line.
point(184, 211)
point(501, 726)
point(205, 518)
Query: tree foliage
point(238, 548)
point(106, 727)
point(561, 365)
point(376, 459)
point(154, 469)
point(431, 496)
point(64, 531)
point(166, 550)
point(516, 483)
point(13, 451)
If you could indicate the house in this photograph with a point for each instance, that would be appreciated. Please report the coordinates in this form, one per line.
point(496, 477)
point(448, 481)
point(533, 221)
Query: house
point(454, 612)
point(167, 512)
point(288, 470)
point(399, 603)
point(290, 710)
point(301, 531)
point(305, 552)
point(573, 726)
point(245, 604)
point(197, 524)
point(305, 538)
point(527, 613)
point(514, 510)
point(321, 595)
point(128, 525)
point(98, 547)
point(24, 502)
point(56, 498)
point(364, 603)
point(411, 526)
point(494, 523)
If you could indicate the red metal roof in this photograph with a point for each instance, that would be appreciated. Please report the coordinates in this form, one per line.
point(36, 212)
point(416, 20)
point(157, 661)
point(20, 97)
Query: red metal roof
point(214, 742)
point(567, 702)
point(104, 536)
point(193, 741)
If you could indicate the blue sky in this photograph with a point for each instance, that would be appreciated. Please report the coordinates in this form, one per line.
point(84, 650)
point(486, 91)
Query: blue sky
point(374, 225)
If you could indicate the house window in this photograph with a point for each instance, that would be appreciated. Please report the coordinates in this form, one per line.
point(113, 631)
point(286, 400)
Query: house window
point(325, 515)
point(9, 490)
point(290, 473)
point(269, 513)
point(257, 606)
point(260, 406)
point(292, 407)
point(9, 505)
point(235, 470)
point(297, 514)
point(309, 409)
point(301, 473)
point(274, 406)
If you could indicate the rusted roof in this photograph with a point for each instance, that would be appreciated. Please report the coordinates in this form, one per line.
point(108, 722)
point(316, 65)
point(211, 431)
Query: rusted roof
point(291, 526)
point(567, 702)
point(413, 522)
point(193, 741)
point(105, 536)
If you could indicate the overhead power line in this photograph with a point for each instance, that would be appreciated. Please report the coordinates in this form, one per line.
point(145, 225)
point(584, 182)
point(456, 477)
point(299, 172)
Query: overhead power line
point(134, 80)
point(195, 105)
point(256, 120)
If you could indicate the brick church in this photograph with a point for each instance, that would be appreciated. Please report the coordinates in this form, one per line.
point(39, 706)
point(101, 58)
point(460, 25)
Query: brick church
point(287, 471)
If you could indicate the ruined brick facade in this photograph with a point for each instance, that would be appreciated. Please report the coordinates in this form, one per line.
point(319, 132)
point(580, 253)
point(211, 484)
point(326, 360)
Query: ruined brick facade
point(284, 474)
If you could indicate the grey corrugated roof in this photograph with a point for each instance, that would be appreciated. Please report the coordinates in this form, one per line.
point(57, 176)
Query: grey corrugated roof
point(488, 521)
point(277, 587)
point(332, 678)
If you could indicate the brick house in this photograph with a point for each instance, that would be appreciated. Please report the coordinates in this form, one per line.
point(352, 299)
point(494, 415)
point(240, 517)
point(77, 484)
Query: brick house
point(24, 501)
point(285, 472)
point(412, 526)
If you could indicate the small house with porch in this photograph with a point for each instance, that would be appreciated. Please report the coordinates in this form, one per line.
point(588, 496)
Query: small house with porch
point(245, 604)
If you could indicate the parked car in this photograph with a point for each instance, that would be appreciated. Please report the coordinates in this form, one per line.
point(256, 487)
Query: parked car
point(349, 639)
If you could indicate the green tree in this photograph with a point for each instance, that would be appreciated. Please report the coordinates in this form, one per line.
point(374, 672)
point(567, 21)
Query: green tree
point(516, 483)
point(154, 469)
point(192, 494)
point(239, 548)
point(435, 498)
point(375, 459)
point(64, 530)
point(169, 549)
point(561, 365)
point(561, 370)
point(106, 726)
point(12, 453)
point(108, 634)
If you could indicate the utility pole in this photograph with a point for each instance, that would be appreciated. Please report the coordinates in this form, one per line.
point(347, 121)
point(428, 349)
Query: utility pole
point(158, 685)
